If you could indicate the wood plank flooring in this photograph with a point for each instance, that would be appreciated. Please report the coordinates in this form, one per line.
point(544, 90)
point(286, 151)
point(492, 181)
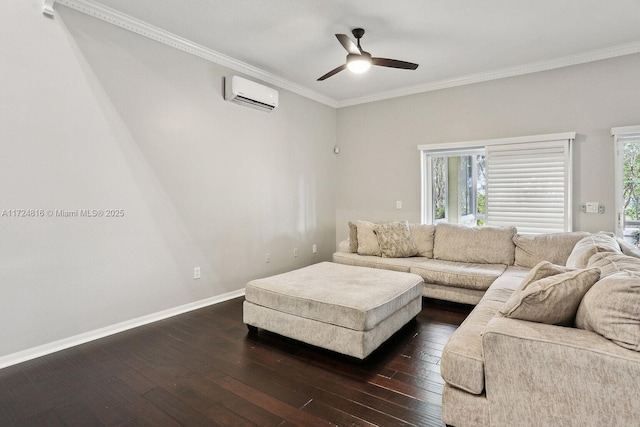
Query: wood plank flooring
point(204, 368)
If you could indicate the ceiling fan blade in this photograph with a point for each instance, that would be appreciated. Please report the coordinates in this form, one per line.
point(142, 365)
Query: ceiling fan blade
point(348, 44)
point(394, 63)
point(332, 72)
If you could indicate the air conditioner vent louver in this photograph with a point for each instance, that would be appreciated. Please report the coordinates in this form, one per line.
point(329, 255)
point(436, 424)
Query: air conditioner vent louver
point(251, 94)
point(259, 104)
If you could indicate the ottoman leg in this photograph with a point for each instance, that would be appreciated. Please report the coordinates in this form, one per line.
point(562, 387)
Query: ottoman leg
point(252, 329)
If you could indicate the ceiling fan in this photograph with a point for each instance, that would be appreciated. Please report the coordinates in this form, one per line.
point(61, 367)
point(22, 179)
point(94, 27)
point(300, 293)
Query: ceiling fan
point(359, 61)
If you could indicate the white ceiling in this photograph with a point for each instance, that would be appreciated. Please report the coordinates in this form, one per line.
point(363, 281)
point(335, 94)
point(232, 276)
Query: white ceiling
point(453, 40)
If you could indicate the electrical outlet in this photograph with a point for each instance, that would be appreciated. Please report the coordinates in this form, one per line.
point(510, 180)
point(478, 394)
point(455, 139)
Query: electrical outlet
point(398, 204)
point(296, 252)
point(196, 272)
point(592, 207)
point(267, 258)
point(314, 249)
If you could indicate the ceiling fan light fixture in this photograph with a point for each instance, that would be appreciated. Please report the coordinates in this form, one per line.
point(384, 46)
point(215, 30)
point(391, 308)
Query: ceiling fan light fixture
point(358, 63)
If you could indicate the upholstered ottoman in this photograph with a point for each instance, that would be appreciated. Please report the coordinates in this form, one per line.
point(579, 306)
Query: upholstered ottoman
point(347, 309)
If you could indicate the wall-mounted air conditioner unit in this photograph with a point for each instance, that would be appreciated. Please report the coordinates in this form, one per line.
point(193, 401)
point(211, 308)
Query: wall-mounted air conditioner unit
point(251, 94)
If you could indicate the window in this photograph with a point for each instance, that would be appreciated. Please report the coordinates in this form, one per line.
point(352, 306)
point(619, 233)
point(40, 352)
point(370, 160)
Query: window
point(524, 182)
point(627, 181)
point(457, 187)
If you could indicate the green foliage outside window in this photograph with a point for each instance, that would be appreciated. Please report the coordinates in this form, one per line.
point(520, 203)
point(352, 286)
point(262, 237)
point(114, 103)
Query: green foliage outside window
point(631, 181)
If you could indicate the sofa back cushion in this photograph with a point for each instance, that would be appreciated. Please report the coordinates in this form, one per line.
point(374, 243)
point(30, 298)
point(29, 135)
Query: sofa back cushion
point(610, 308)
point(628, 249)
point(611, 263)
point(423, 235)
point(589, 246)
point(554, 247)
point(488, 245)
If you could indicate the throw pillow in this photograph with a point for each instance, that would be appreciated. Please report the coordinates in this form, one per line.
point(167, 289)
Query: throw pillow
point(395, 240)
point(589, 246)
point(367, 239)
point(353, 238)
point(553, 300)
point(541, 270)
point(611, 263)
point(423, 235)
point(611, 308)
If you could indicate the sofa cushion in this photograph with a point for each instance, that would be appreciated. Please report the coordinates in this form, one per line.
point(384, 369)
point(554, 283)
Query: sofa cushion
point(353, 237)
point(393, 264)
point(458, 274)
point(502, 288)
point(628, 249)
point(367, 239)
point(589, 246)
point(553, 299)
point(611, 263)
point(489, 245)
point(462, 362)
point(423, 235)
point(395, 240)
point(553, 247)
point(611, 308)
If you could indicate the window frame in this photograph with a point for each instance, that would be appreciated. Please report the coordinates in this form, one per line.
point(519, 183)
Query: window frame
point(427, 214)
point(620, 135)
point(452, 148)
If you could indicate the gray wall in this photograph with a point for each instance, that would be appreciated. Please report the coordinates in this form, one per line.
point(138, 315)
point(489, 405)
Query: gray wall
point(95, 117)
point(379, 163)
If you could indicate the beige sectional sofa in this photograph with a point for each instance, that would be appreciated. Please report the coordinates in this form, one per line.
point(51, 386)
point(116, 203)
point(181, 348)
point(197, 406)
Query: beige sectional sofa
point(554, 338)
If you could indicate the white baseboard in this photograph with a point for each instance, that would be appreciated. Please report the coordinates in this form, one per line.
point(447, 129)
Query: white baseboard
point(52, 347)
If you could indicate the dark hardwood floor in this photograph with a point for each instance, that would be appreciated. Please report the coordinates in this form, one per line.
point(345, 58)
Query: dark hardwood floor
point(204, 368)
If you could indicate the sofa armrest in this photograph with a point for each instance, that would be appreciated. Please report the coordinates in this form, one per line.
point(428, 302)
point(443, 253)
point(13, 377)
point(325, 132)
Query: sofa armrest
point(538, 374)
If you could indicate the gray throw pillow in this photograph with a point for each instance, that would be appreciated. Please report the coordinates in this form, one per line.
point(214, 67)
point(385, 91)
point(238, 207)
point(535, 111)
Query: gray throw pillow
point(395, 240)
point(353, 238)
point(553, 300)
point(611, 263)
point(589, 246)
point(611, 308)
point(367, 239)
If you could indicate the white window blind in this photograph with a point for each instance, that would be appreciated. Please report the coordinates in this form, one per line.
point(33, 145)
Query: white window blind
point(529, 186)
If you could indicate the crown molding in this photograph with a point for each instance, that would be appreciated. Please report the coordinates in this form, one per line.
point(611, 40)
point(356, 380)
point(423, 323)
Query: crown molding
point(142, 28)
point(534, 67)
point(47, 8)
point(137, 26)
